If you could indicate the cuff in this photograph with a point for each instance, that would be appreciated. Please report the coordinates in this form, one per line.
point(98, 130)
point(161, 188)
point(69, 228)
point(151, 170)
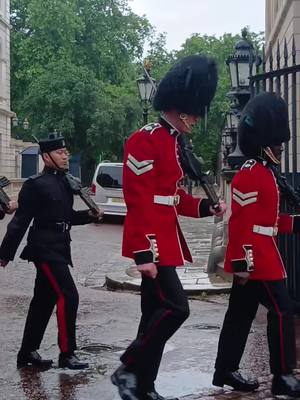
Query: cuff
point(244, 264)
point(204, 208)
point(143, 257)
point(149, 255)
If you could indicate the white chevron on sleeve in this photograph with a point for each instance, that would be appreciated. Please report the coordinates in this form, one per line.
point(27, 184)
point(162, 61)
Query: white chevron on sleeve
point(244, 195)
point(139, 167)
point(243, 199)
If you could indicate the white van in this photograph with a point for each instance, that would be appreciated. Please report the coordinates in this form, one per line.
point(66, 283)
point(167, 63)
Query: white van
point(107, 188)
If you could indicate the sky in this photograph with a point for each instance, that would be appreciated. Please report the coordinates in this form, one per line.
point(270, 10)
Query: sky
point(181, 18)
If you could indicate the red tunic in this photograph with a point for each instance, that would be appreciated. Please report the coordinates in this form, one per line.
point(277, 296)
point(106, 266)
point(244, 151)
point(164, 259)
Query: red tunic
point(152, 168)
point(255, 214)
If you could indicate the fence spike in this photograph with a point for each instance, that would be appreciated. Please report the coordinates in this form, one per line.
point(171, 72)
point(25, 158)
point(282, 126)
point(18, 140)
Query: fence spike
point(285, 53)
point(278, 55)
point(294, 51)
point(271, 60)
point(264, 59)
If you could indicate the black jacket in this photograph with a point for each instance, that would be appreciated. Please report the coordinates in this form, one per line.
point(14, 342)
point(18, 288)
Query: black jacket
point(47, 199)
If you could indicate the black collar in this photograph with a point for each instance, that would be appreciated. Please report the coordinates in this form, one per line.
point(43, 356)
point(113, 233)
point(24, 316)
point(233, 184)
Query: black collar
point(53, 171)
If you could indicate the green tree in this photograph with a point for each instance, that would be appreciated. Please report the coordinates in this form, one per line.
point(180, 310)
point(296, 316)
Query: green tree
point(207, 135)
point(73, 69)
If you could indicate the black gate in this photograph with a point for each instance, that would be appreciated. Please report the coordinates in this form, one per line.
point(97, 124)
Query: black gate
point(284, 80)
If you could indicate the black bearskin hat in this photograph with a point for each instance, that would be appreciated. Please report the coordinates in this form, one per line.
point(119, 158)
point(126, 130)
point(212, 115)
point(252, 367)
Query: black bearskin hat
point(188, 87)
point(53, 142)
point(264, 122)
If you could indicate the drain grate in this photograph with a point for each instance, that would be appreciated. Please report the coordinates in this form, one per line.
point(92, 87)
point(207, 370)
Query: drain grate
point(98, 348)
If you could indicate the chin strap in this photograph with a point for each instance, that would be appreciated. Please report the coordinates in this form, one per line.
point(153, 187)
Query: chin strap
point(183, 118)
point(269, 153)
point(57, 167)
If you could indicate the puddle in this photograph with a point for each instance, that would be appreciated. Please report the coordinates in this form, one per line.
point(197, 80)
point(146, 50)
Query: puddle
point(204, 327)
point(99, 348)
point(183, 382)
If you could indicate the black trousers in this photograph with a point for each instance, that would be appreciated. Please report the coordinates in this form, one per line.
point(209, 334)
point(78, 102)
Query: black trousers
point(243, 305)
point(54, 285)
point(164, 308)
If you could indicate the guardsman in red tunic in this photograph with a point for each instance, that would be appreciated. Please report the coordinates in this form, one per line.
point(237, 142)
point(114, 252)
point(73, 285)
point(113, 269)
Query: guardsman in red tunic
point(152, 236)
point(252, 254)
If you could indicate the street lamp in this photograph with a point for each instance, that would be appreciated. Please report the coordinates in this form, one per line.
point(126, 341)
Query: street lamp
point(16, 122)
point(240, 68)
point(146, 86)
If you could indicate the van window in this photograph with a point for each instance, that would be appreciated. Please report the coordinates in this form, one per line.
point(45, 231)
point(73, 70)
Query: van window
point(110, 177)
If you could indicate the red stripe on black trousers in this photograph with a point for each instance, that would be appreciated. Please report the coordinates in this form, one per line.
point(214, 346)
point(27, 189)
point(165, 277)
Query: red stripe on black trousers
point(61, 311)
point(164, 308)
point(280, 319)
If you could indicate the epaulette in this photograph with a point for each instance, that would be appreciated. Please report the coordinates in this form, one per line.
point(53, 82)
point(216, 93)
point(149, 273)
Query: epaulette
point(149, 128)
point(249, 164)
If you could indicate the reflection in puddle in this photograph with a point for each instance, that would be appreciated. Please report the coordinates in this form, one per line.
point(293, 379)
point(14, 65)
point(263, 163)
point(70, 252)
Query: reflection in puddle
point(33, 382)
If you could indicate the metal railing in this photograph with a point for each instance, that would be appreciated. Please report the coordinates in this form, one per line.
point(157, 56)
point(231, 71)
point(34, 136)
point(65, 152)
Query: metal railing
point(284, 79)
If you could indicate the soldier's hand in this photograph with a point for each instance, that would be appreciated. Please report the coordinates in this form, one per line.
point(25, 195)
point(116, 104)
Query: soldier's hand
point(149, 270)
point(13, 205)
point(98, 217)
point(221, 211)
point(241, 278)
point(3, 263)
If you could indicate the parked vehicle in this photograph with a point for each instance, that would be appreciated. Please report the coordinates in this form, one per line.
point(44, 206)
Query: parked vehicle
point(107, 188)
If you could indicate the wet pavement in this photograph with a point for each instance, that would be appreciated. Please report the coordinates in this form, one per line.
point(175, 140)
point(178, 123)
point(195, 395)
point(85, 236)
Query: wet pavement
point(108, 320)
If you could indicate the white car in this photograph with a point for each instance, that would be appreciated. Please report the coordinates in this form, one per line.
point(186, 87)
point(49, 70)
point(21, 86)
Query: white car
point(107, 188)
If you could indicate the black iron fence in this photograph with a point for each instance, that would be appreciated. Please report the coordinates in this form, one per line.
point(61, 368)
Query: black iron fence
point(278, 76)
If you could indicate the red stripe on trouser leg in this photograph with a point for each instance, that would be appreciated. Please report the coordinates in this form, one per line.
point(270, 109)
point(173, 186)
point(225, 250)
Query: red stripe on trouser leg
point(155, 326)
point(60, 310)
point(282, 354)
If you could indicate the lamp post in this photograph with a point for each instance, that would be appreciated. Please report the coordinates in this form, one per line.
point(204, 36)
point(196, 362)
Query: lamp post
point(146, 89)
point(240, 67)
point(229, 137)
point(16, 122)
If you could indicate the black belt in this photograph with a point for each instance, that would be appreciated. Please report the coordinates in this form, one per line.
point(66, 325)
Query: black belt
point(55, 226)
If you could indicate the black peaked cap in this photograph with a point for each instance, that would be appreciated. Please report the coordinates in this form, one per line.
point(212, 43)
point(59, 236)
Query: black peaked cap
point(53, 142)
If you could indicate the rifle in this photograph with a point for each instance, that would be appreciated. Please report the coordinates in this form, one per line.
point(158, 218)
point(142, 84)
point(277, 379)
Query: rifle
point(4, 199)
point(83, 192)
point(191, 165)
point(287, 190)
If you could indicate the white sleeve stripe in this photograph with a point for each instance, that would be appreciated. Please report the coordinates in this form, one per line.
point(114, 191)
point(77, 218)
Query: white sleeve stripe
point(138, 171)
point(244, 202)
point(244, 195)
point(139, 164)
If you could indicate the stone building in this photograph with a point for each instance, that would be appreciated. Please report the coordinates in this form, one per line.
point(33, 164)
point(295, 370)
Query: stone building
point(10, 149)
point(282, 33)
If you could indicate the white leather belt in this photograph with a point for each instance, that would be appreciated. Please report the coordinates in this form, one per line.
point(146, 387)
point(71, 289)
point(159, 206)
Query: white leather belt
point(166, 200)
point(265, 230)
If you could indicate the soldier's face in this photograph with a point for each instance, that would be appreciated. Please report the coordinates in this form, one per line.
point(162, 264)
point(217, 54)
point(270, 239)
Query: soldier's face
point(57, 159)
point(187, 122)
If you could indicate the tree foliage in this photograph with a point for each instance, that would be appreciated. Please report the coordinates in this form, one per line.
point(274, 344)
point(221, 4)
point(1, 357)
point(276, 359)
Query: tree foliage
point(74, 69)
point(207, 135)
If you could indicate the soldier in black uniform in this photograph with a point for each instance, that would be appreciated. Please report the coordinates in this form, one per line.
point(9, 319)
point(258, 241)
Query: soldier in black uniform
point(47, 199)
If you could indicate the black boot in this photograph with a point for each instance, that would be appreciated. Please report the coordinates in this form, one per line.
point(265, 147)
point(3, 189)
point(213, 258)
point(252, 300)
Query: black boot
point(32, 358)
point(126, 382)
point(286, 385)
point(235, 380)
point(69, 360)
